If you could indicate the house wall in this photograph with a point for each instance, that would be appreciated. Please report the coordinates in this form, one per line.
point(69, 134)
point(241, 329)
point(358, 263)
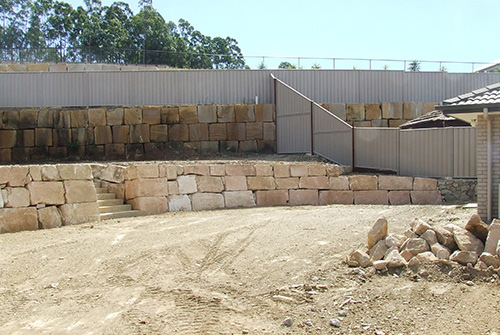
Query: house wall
point(482, 165)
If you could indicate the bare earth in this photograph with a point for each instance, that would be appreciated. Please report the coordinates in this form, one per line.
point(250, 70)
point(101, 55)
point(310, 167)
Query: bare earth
point(235, 272)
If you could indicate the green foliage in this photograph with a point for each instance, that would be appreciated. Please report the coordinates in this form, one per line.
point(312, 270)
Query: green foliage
point(51, 30)
point(316, 66)
point(414, 66)
point(262, 66)
point(287, 65)
point(386, 67)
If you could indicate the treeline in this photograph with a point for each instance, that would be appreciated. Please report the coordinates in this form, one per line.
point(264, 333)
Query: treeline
point(48, 30)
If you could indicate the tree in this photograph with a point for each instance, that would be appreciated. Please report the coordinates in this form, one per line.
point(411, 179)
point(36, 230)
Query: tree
point(414, 66)
point(287, 65)
point(316, 66)
point(262, 66)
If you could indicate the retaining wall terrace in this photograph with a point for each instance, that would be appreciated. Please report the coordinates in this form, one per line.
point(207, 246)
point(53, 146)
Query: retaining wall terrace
point(47, 196)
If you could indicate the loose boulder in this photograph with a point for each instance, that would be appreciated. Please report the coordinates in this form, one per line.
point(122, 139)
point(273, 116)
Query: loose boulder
point(477, 227)
point(377, 233)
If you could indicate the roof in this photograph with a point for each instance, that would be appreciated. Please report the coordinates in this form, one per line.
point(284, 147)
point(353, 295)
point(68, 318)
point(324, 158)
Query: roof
point(488, 67)
point(475, 101)
point(431, 117)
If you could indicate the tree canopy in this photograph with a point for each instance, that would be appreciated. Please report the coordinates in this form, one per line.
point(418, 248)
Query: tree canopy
point(51, 30)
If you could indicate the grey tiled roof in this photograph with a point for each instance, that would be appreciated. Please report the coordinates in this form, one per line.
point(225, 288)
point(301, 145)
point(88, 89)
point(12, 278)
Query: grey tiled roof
point(486, 95)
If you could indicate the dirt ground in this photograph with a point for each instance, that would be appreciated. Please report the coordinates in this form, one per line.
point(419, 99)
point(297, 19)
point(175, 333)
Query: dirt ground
point(236, 272)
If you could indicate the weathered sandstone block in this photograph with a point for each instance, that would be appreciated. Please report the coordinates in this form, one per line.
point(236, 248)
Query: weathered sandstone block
point(150, 205)
point(261, 183)
point(395, 183)
point(477, 227)
point(299, 170)
point(198, 169)
point(79, 191)
point(49, 217)
point(207, 114)
point(493, 237)
point(79, 213)
point(207, 184)
point(151, 115)
point(281, 171)
point(236, 132)
point(424, 184)
point(464, 257)
point(132, 115)
point(139, 133)
point(392, 110)
point(18, 219)
point(339, 183)
point(264, 170)
point(75, 171)
point(239, 199)
point(336, 197)
point(147, 171)
point(426, 197)
point(399, 198)
point(304, 197)
point(178, 133)
point(316, 170)
point(377, 233)
point(114, 173)
point(217, 132)
point(48, 193)
point(244, 113)
point(157, 187)
point(362, 183)
point(378, 251)
point(287, 183)
point(236, 183)
point(355, 112)
point(159, 133)
point(14, 176)
point(318, 182)
point(16, 197)
point(271, 198)
point(269, 131)
point(168, 171)
point(103, 135)
point(97, 117)
point(218, 170)
point(207, 201)
point(254, 131)
point(264, 113)
point(188, 114)
point(198, 132)
point(240, 170)
point(359, 258)
point(8, 139)
point(187, 184)
point(225, 113)
point(373, 112)
point(178, 203)
point(114, 116)
point(419, 226)
point(466, 241)
point(371, 198)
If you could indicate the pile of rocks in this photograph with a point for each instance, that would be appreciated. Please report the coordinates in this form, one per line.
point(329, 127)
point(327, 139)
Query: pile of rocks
point(475, 245)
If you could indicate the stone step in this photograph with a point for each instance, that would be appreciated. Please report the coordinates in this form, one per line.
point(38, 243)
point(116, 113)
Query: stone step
point(101, 190)
point(119, 215)
point(115, 208)
point(105, 196)
point(109, 202)
point(97, 184)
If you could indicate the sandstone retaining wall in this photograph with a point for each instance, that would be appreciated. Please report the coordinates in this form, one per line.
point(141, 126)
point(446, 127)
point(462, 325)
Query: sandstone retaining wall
point(35, 197)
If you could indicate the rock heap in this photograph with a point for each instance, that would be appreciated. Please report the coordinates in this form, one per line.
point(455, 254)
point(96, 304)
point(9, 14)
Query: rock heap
point(476, 244)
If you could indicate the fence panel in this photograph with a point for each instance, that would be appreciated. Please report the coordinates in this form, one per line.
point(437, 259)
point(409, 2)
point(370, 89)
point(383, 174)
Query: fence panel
point(293, 120)
point(332, 136)
point(377, 148)
point(464, 152)
point(426, 152)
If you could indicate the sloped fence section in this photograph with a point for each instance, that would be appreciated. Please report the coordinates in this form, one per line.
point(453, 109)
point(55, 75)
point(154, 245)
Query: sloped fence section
point(303, 126)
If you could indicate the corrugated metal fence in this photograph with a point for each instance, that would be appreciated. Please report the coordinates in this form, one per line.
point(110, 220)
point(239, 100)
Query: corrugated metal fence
point(437, 152)
point(45, 89)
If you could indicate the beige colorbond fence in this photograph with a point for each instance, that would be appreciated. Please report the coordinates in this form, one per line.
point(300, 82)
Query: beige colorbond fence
point(436, 152)
point(48, 89)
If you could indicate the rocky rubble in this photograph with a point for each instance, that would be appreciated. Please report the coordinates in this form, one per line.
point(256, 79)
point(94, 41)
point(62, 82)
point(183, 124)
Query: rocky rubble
point(474, 245)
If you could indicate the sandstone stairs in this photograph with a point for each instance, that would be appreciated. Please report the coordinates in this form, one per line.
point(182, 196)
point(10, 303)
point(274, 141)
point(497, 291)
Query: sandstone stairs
point(109, 206)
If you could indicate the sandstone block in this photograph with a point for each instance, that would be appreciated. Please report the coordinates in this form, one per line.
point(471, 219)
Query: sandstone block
point(419, 226)
point(178, 203)
point(17, 197)
point(28, 119)
point(18, 219)
point(271, 198)
point(97, 117)
point(62, 119)
point(173, 187)
point(240, 170)
point(318, 182)
point(316, 170)
point(360, 257)
point(43, 137)
point(79, 213)
point(198, 132)
point(48, 193)
point(268, 131)
point(490, 260)
point(254, 131)
point(236, 183)
point(74, 171)
point(170, 115)
point(178, 133)
point(424, 184)
point(430, 237)
point(187, 184)
point(10, 119)
point(14, 175)
point(339, 183)
point(114, 116)
point(395, 240)
point(426, 257)
point(355, 112)
point(406, 255)
point(79, 191)
point(392, 110)
point(395, 183)
point(244, 113)
point(264, 170)
point(236, 132)
point(362, 183)
point(466, 241)
point(157, 187)
point(395, 260)
point(377, 252)
point(169, 171)
point(207, 201)
point(139, 133)
point(151, 115)
point(493, 237)
point(6, 155)
point(378, 232)
point(49, 217)
point(217, 132)
point(399, 198)
point(445, 237)
point(50, 173)
point(261, 183)
point(281, 171)
point(207, 114)
point(209, 146)
point(46, 118)
point(114, 173)
point(299, 170)
point(264, 113)
point(287, 183)
point(239, 199)
point(477, 227)
point(146, 171)
point(103, 135)
point(188, 114)
point(79, 118)
point(218, 170)
point(412, 110)
point(464, 257)
point(426, 197)
point(336, 197)
point(198, 169)
point(132, 115)
point(207, 184)
point(225, 113)
point(8, 139)
point(371, 198)
point(150, 205)
point(373, 112)
point(303, 197)
point(380, 265)
point(440, 251)
point(159, 133)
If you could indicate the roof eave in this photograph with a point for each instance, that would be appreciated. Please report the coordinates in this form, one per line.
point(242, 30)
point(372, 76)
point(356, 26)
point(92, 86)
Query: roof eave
point(475, 108)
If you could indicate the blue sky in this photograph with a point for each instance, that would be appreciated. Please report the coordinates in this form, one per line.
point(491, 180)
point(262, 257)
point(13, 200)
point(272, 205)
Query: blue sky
point(441, 30)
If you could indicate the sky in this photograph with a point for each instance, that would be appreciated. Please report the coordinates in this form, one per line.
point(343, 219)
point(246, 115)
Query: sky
point(269, 31)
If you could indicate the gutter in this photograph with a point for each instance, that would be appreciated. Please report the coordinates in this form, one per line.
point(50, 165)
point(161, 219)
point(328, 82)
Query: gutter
point(488, 164)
